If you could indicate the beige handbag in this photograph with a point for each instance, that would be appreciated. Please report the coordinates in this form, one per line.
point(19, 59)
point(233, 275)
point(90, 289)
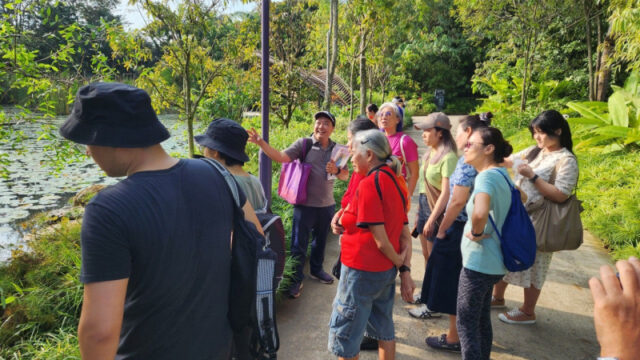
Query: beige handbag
point(558, 225)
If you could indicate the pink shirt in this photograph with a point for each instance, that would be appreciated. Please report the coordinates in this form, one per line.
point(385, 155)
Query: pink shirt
point(410, 149)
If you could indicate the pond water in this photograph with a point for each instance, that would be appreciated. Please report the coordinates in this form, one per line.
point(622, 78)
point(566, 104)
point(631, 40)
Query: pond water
point(33, 187)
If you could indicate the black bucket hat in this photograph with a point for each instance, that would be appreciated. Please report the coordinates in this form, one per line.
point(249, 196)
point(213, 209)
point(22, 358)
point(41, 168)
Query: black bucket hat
point(115, 115)
point(226, 136)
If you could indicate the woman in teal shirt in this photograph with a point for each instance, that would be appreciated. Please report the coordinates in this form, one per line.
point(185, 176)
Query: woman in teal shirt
point(481, 254)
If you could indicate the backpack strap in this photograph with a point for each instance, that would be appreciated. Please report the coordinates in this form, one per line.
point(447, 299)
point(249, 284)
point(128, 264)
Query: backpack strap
point(379, 190)
point(231, 182)
point(490, 217)
point(404, 157)
point(306, 147)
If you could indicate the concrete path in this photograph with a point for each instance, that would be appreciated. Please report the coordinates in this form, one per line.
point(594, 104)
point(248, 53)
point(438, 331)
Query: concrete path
point(564, 328)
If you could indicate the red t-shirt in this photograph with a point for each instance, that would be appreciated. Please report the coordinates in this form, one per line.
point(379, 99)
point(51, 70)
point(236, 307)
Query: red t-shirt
point(359, 249)
point(351, 189)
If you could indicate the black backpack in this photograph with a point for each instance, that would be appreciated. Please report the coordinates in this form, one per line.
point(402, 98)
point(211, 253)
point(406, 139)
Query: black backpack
point(253, 284)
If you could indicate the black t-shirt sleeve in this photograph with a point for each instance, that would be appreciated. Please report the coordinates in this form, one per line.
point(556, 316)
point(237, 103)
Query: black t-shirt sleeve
point(106, 253)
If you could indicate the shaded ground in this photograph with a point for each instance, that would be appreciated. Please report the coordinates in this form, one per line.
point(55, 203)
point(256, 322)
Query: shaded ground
point(564, 329)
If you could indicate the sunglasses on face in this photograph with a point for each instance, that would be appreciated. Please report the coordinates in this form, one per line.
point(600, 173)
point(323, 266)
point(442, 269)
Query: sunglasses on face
point(388, 113)
point(469, 144)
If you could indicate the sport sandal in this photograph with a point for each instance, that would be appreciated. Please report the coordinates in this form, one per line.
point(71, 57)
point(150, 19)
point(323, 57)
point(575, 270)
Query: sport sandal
point(441, 343)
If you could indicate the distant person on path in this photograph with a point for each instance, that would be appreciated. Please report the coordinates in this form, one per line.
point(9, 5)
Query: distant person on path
point(316, 214)
point(402, 145)
point(156, 249)
point(372, 109)
point(481, 253)
point(616, 310)
point(551, 158)
point(436, 168)
point(225, 141)
point(440, 284)
point(375, 245)
point(399, 102)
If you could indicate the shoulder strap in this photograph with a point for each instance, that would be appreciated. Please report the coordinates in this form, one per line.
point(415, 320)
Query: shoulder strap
point(231, 182)
point(306, 146)
point(404, 157)
point(505, 179)
point(393, 178)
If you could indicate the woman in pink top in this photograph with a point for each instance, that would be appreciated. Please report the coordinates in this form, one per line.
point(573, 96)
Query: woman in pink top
point(402, 146)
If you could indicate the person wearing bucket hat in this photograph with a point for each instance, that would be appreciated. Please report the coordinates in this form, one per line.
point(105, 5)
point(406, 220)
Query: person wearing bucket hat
point(225, 141)
point(164, 230)
point(314, 216)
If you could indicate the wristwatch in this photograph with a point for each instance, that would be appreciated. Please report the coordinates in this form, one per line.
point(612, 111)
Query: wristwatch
point(534, 178)
point(404, 268)
point(476, 235)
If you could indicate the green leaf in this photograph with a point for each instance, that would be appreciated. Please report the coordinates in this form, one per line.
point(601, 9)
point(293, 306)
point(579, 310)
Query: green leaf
point(618, 110)
point(594, 110)
point(613, 132)
point(632, 136)
point(585, 121)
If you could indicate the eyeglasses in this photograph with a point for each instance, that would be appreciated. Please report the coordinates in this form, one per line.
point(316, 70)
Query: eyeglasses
point(469, 144)
point(388, 113)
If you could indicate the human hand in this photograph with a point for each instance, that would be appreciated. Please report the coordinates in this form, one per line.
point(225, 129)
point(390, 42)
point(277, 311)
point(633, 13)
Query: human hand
point(407, 286)
point(429, 228)
point(331, 167)
point(476, 238)
point(525, 170)
point(616, 310)
point(253, 136)
point(441, 233)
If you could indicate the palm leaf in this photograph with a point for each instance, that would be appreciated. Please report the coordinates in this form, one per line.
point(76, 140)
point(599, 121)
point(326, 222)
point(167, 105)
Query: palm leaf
point(618, 109)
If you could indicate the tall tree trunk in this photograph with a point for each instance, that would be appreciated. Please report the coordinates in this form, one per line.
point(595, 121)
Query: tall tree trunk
point(363, 73)
point(598, 52)
point(587, 5)
point(604, 76)
point(332, 53)
point(186, 83)
point(353, 65)
point(523, 92)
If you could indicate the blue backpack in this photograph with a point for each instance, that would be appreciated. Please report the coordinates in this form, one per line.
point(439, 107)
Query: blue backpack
point(518, 237)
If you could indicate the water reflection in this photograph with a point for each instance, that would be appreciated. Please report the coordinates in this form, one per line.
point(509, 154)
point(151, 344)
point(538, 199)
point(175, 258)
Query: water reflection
point(31, 186)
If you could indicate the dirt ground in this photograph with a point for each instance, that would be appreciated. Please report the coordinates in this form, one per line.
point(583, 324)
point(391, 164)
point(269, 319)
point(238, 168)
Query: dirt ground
point(564, 327)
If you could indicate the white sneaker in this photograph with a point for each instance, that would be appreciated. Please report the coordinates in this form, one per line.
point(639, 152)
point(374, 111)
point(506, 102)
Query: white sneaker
point(417, 299)
point(515, 316)
point(423, 312)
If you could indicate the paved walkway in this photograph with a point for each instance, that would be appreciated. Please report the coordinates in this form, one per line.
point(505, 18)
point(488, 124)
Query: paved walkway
point(564, 329)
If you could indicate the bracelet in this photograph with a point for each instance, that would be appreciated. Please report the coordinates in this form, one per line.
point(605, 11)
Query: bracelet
point(478, 234)
point(534, 178)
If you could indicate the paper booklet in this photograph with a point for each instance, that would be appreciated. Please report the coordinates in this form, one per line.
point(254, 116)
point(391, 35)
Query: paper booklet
point(340, 155)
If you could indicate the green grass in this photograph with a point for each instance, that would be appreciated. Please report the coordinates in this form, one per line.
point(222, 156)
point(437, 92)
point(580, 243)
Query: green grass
point(609, 186)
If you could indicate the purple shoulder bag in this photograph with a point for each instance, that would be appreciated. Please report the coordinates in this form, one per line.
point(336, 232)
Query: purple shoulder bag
point(293, 179)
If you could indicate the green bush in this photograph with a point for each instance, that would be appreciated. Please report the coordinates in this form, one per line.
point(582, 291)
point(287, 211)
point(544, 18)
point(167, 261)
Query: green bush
point(40, 291)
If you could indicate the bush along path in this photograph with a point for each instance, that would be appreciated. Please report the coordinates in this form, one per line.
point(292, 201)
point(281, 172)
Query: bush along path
point(564, 327)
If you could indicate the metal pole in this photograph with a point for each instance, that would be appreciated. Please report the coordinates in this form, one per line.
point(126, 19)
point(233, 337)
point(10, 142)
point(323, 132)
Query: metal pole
point(265, 161)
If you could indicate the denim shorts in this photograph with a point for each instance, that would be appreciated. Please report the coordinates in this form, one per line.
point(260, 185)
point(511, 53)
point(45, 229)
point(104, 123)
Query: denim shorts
point(424, 211)
point(364, 302)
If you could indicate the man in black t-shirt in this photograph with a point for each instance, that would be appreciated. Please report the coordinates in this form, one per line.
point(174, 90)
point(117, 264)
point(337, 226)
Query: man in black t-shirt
point(156, 247)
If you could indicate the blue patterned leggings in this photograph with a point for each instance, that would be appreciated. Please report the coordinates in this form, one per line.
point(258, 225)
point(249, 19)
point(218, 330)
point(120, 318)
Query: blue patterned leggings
point(474, 313)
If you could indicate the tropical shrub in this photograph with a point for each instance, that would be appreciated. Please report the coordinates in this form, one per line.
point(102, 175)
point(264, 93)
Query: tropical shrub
point(612, 125)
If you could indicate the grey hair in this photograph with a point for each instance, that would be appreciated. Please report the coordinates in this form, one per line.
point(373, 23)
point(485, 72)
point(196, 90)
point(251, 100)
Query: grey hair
point(395, 108)
point(377, 142)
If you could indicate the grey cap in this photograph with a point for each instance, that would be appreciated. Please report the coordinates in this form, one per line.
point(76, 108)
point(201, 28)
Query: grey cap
point(438, 119)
